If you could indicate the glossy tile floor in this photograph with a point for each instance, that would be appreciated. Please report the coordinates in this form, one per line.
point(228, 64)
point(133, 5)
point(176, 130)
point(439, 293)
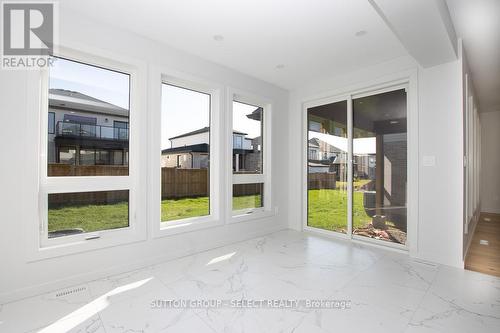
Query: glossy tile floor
point(388, 293)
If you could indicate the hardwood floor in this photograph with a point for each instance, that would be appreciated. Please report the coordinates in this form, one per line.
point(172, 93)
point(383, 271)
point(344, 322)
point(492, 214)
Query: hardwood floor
point(485, 258)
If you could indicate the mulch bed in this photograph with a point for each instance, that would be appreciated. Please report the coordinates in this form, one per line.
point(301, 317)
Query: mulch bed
point(389, 234)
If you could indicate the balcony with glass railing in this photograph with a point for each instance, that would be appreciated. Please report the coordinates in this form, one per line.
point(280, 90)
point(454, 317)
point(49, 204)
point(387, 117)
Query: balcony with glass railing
point(72, 129)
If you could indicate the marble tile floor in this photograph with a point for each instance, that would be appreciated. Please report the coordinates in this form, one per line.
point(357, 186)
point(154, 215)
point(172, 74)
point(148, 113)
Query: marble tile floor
point(378, 291)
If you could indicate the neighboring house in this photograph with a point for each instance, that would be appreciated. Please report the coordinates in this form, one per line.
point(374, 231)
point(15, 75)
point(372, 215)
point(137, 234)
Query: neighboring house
point(313, 151)
point(365, 166)
point(325, 157)
point(86, 131)
point(322, 151)
point(318, 168)
point(191, 151)
point(188, 151)
point(246, 153)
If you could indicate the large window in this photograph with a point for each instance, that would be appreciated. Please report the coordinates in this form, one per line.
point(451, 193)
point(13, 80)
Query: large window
point(249, 190)
point(185, 153)
point(89, 112)
point(86, 190)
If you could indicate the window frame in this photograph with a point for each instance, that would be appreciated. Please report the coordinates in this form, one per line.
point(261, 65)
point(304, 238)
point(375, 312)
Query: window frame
point(127, 123)
point(160, 75)
point(235, 139)
point(58, 153)
point(237, 95)
point(39, 245)
point(53, 123)
point(120, 122)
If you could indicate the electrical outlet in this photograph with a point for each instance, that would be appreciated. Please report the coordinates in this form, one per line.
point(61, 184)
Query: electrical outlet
point(429, 161)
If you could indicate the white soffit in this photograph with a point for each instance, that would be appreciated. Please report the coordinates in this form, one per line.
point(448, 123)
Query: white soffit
point(424, 27)
point(477, 22)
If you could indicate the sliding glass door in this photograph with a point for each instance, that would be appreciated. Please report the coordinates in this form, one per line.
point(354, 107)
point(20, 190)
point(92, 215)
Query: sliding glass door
point(380, 166)
point(364, 196)
point(327, 168)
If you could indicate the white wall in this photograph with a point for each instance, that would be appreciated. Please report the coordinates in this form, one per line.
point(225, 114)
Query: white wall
point(440, 229)
point(19, 172)
point(490, 165)
point(191, 140)
point(471, 152)
point(439, 210)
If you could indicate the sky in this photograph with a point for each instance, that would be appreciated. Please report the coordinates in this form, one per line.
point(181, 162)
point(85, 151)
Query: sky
point(244, 124)
point(103, 84)
point(182, 110)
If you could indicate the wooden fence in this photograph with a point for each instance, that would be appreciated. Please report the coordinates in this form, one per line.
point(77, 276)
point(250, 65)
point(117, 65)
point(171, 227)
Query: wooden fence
point(175, 183)
point(87, 198)
point(184, 183)
point(325, 180)
point(248, 189)
point(86, 170)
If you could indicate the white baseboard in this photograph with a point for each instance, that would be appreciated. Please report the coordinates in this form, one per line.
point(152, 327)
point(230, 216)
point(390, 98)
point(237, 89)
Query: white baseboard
point(79, 279)
point(491, 210)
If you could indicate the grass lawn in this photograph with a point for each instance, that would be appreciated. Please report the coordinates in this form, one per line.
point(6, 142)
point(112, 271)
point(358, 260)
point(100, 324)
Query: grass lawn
point(356, 184)
point(327, 209)
point(246, 201)
point(190, 207)
point(183, 208)
point(103, 217)
point(89, 217)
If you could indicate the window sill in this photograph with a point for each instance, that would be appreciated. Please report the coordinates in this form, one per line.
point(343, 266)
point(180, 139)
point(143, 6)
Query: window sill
point(252, 215)
point(185, 225)
point(106, 239)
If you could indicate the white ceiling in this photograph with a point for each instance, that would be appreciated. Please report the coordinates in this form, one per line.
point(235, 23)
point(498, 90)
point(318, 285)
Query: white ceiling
point(313, 39)
point(478, 23)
